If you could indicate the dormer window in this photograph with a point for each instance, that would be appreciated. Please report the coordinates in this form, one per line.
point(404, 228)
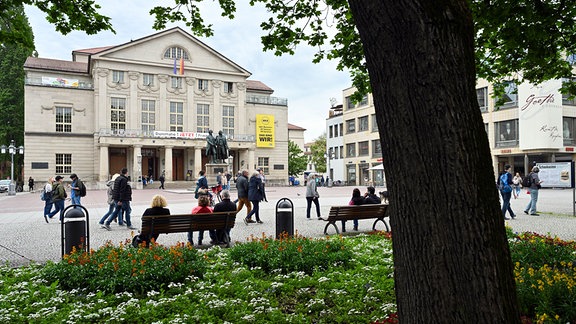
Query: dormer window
point(176, 53)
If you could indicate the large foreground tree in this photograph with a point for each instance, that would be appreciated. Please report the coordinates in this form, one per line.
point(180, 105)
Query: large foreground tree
point(452, 263)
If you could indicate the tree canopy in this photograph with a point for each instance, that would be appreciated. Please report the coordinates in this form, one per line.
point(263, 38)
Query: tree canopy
point(297, 161)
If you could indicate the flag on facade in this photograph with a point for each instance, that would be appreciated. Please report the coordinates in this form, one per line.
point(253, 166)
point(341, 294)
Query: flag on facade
point(175, 66)
point(181, 66)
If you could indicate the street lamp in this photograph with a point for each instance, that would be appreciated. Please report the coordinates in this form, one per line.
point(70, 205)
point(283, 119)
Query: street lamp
point(12, 150)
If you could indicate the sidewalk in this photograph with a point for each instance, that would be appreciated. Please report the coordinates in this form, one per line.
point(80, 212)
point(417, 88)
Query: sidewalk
point(26, 236)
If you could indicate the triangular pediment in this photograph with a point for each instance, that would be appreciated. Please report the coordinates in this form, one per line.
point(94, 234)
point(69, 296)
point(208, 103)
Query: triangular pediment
point(150, 50)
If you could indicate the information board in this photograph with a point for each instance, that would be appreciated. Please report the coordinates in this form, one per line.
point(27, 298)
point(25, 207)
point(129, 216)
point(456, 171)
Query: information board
point(556, 175)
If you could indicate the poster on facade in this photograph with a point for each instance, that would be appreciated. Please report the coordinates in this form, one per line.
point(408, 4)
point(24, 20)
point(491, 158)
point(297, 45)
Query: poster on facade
point(60, 82)
point(556, 175)
point(264, 130)
point(540, 115)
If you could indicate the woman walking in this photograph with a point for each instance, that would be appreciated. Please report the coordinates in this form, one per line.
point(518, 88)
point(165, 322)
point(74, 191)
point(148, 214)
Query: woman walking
point(312, 196)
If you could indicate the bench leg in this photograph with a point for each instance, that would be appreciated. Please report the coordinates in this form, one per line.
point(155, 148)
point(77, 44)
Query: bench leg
point(226, 239)
point(335, 227)
point(383, 221)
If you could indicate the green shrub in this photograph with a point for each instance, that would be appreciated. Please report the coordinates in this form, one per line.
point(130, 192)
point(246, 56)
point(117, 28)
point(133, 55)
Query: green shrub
point(535, 250)
point(123, 268)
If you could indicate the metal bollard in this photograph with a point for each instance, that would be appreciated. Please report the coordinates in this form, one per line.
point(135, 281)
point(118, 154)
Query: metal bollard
point(284, 217)
point(74, 229)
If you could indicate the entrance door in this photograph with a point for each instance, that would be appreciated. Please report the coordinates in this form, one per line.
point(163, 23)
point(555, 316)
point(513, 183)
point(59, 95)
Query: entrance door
point(178, 172)
point(117, 160)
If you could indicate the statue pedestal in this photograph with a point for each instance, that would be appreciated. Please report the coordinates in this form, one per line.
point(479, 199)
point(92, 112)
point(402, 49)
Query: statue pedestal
point(212, 170)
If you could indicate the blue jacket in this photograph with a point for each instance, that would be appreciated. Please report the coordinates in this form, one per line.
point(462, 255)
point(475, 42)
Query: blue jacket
point(255, 189)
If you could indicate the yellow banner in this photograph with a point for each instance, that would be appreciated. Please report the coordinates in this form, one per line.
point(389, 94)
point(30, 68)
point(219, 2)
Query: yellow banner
point(264, 130)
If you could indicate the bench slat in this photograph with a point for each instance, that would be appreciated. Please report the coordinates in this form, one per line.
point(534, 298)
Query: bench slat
point(351, 212)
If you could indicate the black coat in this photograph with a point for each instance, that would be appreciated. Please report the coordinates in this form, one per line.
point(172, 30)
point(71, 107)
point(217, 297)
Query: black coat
point(255, 189)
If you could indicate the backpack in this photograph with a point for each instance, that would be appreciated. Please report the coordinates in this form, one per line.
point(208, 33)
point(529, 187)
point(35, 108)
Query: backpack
point(504, 185)
point(527, 181)
point(82, 188)
point(43, 195)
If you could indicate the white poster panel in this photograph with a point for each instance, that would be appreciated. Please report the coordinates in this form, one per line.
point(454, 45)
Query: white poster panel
point(540, 115)
point(556, 175)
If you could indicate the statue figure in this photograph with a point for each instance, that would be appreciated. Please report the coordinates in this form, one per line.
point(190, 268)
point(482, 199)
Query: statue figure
point(211, 147)
point(221, 147)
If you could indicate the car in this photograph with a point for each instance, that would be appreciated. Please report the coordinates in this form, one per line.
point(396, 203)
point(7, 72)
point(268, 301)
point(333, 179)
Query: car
point(4, 185)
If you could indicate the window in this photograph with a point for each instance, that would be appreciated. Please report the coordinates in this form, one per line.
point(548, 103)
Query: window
point(202, 118)
point(117, 113)
point(63, 163)
point(363, 123)
point(228, 120)
point(228, 87)
point(202, 85)
point(351, 174)
point(350, 126)
point(336, 153)
point(571, 59)
point(63, 119)
point(336, 130)
point(510, 97)
point(506, 133)
point(176, 82)
point(176, 53)
point(118, 76)
point(148, 115)
point(568, 130)
point(176, 116)
point(351, 150)
point(376, 149)
point(264, 162)
point(363, 148)
point(341, 129)
point(566, 100)
point(341, 152)
point(330, 133)
point(364, 101)
point(148, 79)
point(482, 96)
point(374, 123)
point(349, 103)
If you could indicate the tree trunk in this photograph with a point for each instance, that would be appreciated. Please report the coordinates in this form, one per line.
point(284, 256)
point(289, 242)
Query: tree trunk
point(452, 261)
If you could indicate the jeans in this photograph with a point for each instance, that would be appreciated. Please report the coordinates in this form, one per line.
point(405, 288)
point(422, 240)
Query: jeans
point(517, 188)
point(48, 206)
point(110, 211)
point(309, 201)
point(58, 208)
point(201, 236)
point(344, 225)
point(506, 203)
point(255, 210)
point(242, 202)
point(125, 207)
point(533, 200)
point(75, 200)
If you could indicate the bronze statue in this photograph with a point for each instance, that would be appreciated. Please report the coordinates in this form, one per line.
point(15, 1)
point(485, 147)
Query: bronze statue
point(211, 147)
point(221, 147)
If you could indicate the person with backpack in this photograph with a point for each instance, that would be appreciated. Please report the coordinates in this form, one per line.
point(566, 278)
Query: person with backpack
point(532, 183)
point(58, 197)
point(505, 187)
point(77, 189)
point(47, 198)
point(122, 194)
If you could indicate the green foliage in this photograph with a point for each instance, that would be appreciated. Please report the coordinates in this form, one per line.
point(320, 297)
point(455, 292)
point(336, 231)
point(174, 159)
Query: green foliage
point(289, 254)
point(115, 269)
point(296, 159)
point(317, 151)
point(535, 250)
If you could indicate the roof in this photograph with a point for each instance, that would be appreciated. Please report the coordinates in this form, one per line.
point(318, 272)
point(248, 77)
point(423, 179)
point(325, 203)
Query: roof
point(93, 50)
point(55, 65)
point(294, 127)
point(257, 86)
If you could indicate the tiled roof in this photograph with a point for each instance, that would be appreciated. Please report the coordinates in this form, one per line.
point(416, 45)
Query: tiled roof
point(55, 65)
point(257, 85)
point(94, 50)
point(294, 127)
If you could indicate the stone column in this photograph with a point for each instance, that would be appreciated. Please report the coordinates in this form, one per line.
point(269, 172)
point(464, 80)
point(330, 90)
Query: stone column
point(137, 172)
point(104, 171)
point(168, 162)
point(197, 162)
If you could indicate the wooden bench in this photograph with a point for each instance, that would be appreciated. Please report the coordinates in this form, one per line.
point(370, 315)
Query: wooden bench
point(165, 224)
point(347, 213)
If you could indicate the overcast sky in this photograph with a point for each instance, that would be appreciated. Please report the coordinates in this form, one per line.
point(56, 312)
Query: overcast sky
point(307, 86)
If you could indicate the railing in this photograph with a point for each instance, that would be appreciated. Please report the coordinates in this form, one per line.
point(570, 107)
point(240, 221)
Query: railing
point(136, 133)
point(267, 100)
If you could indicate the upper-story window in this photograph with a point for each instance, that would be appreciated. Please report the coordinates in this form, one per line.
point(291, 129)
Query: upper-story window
point(118, 76)
point(118, 113)
point(202, 84)
point(349, 103)
point(148, 79)
point(506, 133)
point(228, 87)
point(176, 82)
point(228, 120)
point(203, 118)
point(350, 126)
point(482, 96)
point(362, 123)
point(148, 115)
point(374, 123)
point(63, 119)
point(364, 100)
point(330, 131)
point(176, 53)
point(568, 130)
point(176, 116)
point(510, 96)
point(566, 100)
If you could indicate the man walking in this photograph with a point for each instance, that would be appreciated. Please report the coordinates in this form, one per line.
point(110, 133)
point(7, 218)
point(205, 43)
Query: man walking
point(242, 188)
point(58, 197)
point(122, 197)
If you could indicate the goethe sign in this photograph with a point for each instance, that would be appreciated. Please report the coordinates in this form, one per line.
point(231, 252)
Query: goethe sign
point(540, 115)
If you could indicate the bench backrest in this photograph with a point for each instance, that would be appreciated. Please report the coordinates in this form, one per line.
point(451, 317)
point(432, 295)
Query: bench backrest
point(357, 212)
point(163, 224)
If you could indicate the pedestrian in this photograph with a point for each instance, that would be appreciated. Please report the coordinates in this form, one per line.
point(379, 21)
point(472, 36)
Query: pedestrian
point(370, 196)
point(202, 208)
point(219, 179)
point(228, 178)
point(534, 187)
point(242, 189)
point(201, 185)
point(110, 200)
point(157, 207)
point(312, 196)
point(322, 181)
point(255, 195)
point(75, 189)
point(224, 206)
point(224, 182)
point(122, 197)
point(30, 184)
point(356, 200)
point(263, 178)
point(517, 181)
point(162, 179)
point(505, 187)
point(58, 197)
point(48, 198)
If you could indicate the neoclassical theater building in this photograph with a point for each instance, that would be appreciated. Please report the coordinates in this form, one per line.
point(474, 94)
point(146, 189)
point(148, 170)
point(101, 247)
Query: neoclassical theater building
point(148, 105)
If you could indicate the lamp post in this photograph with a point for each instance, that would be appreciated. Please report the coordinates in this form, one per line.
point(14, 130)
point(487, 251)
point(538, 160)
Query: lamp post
point(12, 150)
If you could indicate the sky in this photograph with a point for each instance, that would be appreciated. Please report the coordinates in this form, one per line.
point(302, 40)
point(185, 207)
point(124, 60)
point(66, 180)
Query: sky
point(307, 86)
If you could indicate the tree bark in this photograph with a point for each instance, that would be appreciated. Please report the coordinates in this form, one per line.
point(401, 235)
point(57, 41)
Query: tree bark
point(451, 257)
